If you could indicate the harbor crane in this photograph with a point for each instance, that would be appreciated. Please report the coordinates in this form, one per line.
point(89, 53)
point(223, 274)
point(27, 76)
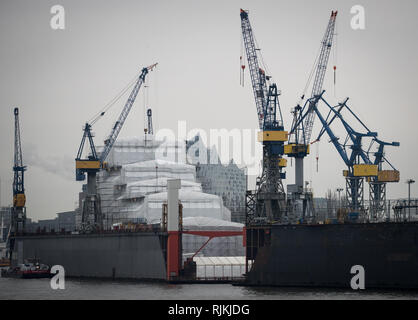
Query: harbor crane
point(18, 213)
point(19, 197)
point(298, 146)
point(91, 215)
point(361, 163)
point(268, 202)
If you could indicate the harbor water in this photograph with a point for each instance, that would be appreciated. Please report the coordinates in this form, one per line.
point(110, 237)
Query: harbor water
point(76, 289)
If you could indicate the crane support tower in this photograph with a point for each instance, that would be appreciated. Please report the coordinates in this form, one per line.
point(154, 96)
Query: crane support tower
point(300, 133)
point(377, 184)
point(91, 215)
point(268, 202)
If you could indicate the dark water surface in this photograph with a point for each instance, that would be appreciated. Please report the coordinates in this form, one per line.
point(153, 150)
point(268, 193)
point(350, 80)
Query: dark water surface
point(94, 289)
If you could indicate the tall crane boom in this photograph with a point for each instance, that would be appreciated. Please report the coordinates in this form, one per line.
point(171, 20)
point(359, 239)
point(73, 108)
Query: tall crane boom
point(258, 76)
point(124, 114)
point(321, 69)
point(95, 161)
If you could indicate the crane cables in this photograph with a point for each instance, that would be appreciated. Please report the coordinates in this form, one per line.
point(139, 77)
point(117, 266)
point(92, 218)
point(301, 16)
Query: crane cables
point(264, 66)
point(309, 81)
point(113, 101)
point(145, 106)
point(242, 65)
point(262, 63)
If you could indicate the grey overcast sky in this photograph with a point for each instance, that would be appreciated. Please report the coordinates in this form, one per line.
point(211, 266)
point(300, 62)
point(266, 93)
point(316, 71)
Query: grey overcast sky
point(60, 78)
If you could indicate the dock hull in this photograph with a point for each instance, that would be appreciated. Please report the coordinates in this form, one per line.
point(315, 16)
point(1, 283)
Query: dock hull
point(323, 255)
point(139, 256)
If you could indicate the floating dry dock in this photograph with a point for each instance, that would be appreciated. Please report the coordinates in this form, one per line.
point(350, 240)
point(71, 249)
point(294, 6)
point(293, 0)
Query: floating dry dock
point(136, 255)
point(323, 255)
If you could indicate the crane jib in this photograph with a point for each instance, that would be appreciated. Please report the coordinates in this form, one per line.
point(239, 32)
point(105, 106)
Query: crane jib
point(258, 77)
point(321, 69)
point(94, 162)
point(124, 114)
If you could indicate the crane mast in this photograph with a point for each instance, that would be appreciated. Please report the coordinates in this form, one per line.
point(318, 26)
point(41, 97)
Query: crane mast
point(91, 215)
point(18, 216)
point(268, 202)
point(303, 121)
point(19, 198)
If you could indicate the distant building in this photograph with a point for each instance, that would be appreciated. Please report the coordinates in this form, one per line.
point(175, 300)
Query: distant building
point(47, 224)
point(227, 181)
point(64, 221)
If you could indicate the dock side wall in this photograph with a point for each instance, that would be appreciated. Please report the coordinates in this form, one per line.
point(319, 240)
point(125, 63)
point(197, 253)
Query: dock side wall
point(322, 256)
point(122, 256)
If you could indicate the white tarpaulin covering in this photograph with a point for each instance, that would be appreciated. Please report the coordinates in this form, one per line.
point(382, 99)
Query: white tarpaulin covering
point(195, 204)
point(135, 188)
point(136, 149)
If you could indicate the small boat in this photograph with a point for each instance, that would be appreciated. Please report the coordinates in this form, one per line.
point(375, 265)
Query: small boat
point(29, 270)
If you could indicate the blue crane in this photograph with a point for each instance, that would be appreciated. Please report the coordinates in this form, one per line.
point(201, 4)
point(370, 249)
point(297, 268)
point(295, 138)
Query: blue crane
point(95, 162)
point(270, 199)
point(377, 185)
point(19, 198)
point(18, 214)
point(361, 163)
